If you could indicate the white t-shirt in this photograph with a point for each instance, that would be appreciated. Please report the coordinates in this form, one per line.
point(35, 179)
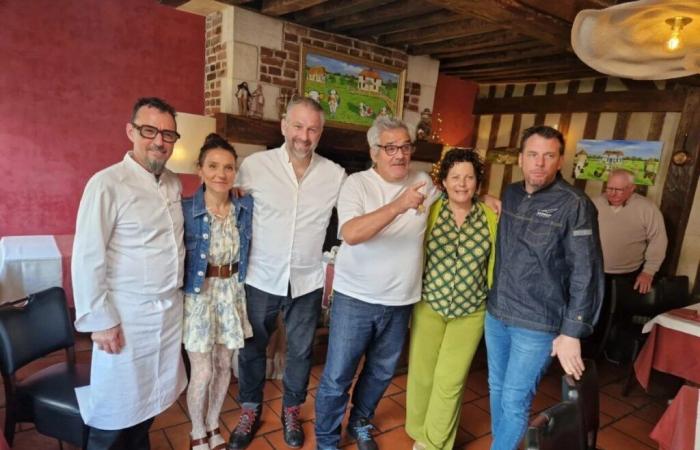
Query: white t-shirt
point(386, 269)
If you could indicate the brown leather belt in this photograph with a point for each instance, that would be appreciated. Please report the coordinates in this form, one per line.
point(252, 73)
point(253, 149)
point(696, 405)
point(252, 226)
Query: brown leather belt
point(224, 271)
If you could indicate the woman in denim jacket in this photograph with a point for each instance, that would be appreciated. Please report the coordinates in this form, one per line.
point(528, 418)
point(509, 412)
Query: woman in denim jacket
point(217, 239)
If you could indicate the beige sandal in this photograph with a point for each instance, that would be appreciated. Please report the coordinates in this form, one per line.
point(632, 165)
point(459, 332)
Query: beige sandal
point(211, 434)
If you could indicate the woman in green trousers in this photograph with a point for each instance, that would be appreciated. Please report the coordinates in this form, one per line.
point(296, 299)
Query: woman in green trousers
point(448, 322)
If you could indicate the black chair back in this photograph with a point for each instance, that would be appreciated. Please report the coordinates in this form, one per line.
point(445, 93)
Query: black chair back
point(556, 428)
point(675, 291)
point(35, 329)
point(584, 393)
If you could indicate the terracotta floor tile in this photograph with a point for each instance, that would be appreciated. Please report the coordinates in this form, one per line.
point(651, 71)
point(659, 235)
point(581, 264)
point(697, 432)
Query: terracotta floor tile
point(462, 437)
point(276, 438)
point(170, 417)
point(400, 399)
point(317, 371)
point(483, 403)
point(551, 385)
point(391, 390)
point(179, 436)
point(637, 428)
point(483, 443)
point(389, 415)
point(475, 420)
point(613, 407)
point(651, 412)
point(233, 390)
point(478, 381)
point(468, 395)
point(542, 401)
point(400, 381)
point(270, 391)
point(159, 441)
point(260, 443)
point(396, 439)
point(636, 397)
point(32, 440)
point(604, 420)
point(612, 439)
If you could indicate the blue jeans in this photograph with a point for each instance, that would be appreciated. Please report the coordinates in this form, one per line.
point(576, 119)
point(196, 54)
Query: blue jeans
point(300, 318)
point(357, 328)
point(517, 359)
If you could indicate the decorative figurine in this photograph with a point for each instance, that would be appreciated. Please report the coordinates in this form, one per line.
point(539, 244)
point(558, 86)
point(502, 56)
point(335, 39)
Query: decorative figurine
point(243, 95)
point(256, 103)
point(424, 127)
point(333, 101)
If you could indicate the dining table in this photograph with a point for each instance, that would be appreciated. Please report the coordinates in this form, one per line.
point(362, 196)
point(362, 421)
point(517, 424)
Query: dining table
point(673, 346)
point(29, 264)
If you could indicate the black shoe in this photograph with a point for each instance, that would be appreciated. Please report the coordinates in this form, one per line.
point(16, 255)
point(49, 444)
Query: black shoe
point(248, 424)
point(361, 430)
point(293, 433)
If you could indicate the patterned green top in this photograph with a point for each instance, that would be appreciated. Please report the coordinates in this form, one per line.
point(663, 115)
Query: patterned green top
point(455, 277)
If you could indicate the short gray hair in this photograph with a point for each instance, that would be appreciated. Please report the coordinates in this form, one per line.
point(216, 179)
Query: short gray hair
point(386, 123)
point(621, 172)
point(309, 103)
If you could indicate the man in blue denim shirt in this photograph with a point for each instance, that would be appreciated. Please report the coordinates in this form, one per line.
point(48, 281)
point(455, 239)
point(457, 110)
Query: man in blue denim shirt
point(548, 283)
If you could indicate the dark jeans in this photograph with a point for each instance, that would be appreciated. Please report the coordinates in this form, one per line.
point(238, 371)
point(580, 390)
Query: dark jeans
point(300, 317)
point(357, 328)
point(132, 438)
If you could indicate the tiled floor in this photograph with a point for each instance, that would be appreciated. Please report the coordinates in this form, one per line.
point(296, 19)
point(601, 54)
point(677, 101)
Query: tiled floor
point(625, 421)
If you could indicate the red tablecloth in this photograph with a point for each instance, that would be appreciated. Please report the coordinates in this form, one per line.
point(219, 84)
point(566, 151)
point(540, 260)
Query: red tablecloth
point(669, 351)
point(678, 427)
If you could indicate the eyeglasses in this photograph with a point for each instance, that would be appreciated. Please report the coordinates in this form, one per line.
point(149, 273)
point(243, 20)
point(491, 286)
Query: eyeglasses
point(149, 132)
point(615, 190)
point(391, 149)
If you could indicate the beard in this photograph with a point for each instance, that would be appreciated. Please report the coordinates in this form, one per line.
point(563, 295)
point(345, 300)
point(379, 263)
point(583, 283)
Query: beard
point(156, 167)
point(299, 149)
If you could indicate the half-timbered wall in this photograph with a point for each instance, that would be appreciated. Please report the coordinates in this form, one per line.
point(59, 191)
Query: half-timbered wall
point(503, 130)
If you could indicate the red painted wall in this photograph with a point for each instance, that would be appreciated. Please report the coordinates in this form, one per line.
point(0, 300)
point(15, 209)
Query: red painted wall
point(454, 101)
point(71, 71)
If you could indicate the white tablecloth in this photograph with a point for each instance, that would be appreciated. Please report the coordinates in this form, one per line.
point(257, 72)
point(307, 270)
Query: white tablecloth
point(28, 264)
point(675, 322)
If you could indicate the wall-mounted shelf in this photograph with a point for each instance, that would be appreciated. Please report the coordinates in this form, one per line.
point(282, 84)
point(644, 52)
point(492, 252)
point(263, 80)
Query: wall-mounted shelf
point(247, 130)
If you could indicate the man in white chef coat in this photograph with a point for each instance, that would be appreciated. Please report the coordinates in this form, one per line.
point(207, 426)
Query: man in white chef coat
point(127, 270)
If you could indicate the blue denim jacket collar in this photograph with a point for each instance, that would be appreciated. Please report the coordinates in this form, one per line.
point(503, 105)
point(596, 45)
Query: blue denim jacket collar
point(200, 208)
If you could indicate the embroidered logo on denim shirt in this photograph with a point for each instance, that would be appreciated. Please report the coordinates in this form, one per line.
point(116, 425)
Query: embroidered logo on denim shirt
point(546, 213)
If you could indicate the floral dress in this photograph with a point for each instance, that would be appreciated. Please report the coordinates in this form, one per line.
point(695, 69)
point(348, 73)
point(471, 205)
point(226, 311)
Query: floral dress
point(217, 315)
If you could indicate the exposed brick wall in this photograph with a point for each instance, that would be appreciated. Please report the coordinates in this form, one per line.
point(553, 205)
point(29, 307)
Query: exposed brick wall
point(411, 96)
point(215, 64)
point(281, 67)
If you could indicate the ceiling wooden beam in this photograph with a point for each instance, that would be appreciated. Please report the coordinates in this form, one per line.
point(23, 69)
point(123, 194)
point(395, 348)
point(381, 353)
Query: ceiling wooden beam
point(556, 76)
point(388, 13)
point(490, 39)
point(428, 20)
point(518, 69)
point(330, 10)
point(282, 7)
point(508, 46)
point(513, 15)
point(463, 28)
point(622, 101)
point(567, 10)
point(496, 58)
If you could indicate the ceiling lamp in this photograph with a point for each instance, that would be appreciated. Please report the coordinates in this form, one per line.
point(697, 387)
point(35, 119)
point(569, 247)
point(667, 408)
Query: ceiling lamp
point(676, 23)
point(631, 40)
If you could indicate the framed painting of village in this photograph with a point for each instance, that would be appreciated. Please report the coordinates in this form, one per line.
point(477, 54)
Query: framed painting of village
point(595, 159)
point(352, 91)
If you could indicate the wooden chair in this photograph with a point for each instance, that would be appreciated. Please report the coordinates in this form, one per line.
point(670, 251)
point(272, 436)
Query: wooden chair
point(29, 330)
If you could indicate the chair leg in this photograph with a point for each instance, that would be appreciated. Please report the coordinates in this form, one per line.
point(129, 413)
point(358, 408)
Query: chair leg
point(10, 425)
point(60, 444)
point(630, 372)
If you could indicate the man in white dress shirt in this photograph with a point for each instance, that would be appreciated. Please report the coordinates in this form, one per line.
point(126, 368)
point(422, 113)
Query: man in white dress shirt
point(295, 191)
point(127, 270)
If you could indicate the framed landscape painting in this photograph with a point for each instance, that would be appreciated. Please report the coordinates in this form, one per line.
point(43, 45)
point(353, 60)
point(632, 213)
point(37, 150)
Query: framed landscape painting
point(352, 91)
point(595, 159)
